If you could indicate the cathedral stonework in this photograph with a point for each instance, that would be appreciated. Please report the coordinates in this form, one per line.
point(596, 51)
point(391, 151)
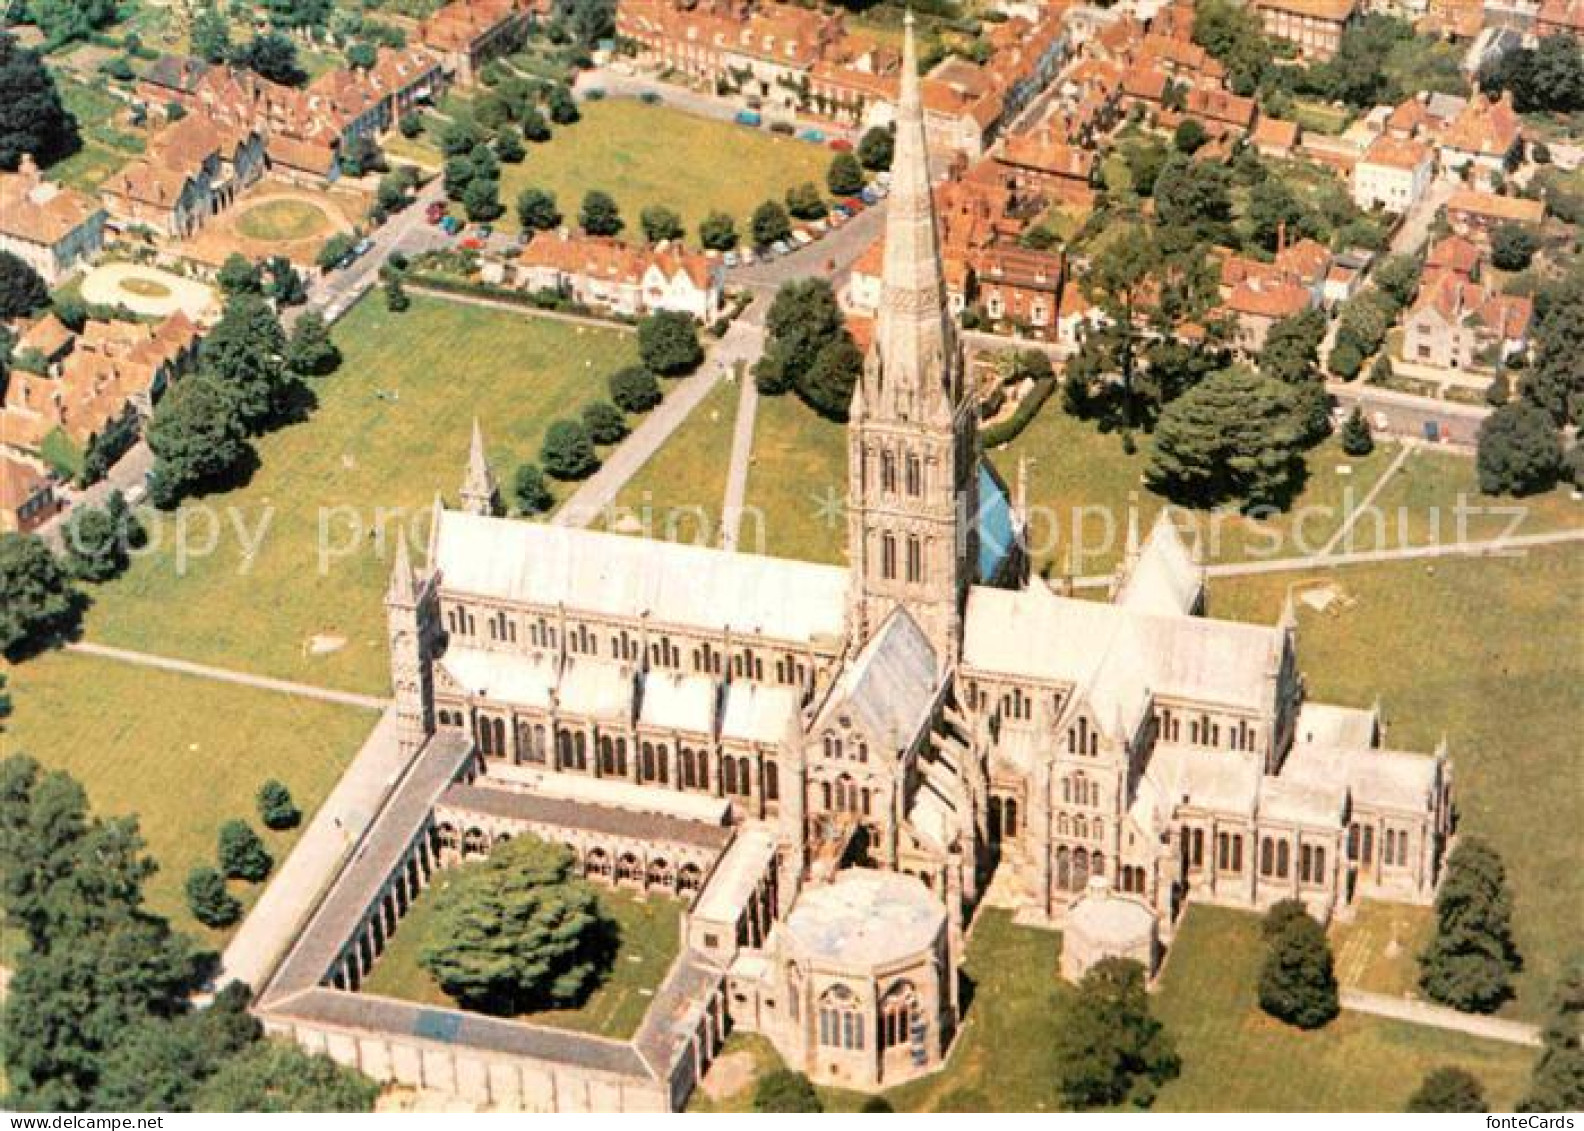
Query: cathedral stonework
point(834, 766)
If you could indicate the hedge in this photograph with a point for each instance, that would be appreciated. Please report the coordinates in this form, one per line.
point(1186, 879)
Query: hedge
point(1012, 427)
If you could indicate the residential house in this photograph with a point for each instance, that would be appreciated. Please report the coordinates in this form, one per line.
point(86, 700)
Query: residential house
point(1484, 139)
point(1392, 174)
point(1315, 27)
point(1453, 255)
point(1560, 17)
point(1258, 302)
point(1475, 214)
point(1020, 287)
point(1040, 162)
point(170, 79)
point(27, 494)
point(1076, 316)
point(469, 33)
point(619, 277)
point(1458, 324)
point(1273, 137)
point(193, 169)
point(51, 228)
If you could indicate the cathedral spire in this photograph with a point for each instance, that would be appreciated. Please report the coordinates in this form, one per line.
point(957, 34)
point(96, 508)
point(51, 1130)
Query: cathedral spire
point(403, 588)
point(479, 492)
point(913, 370)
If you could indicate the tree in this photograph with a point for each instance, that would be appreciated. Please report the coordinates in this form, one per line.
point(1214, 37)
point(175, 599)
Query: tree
point(239, 276)
point(1111, 1050)
point(718, 232)
point(533, 125)
point(311, 352)
point(1193, 201)
point(1557, 1083)
point(1398, 278)
point(634, 389)
point(1549, 76)
point(876, 1105)
point(481, 199)
point(275, 806)
point(568, 451)
point(599, 215)
point(1513, 246)
point(1292, 347)
point(96, 541)
point(362, 56)
point(1470, 960)
point(827, 386)
point(334, 250)
point(1297, 983)
point(770, 224)
point(246, 351)
point(22, 290)
point(1233, 36)
point(562, 106)
point(197, 437)
point(585, 22)
point(1448, 1089)
point(410, 124)
point(1555, 380)
point(805, 202)
point(209, 901)
point(33, 120)
point(509, 145)
point(1356, 437)
point(1520, 451)
point(530, 490)
point(604, 421)
point(37, 601)
point(518, 930)
point(845, 175)
point(284, 283)
point(876, 146)
point(783, 1091)
point(271, 56)
point(1189, 137)
point(210, 35)
point(537, 210)
point(804, 318)
point(241, 853)
point(278, 1076)
point(396, 300)
point(668, 343)
point(158, 1063)
point(1232, 436)
point(660, 223)
point(1574, 464)
point(1273, 210)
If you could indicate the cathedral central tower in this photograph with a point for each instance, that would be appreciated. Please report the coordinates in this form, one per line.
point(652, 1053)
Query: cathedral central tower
point(912, 444)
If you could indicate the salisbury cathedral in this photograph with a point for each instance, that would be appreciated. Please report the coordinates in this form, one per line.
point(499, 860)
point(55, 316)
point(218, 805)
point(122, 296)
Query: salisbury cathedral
point(833, 767)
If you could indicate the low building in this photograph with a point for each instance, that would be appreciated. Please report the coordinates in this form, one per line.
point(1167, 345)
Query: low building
point(1458, 324)
point(620, 277)
point(52, 229)
point(469, 33)
point(194, 168)
point(27, 494)
point(1273, 137)
point(1476, 214)
point(1258, 304)
point(1484, 139)
point(1020, 287)
point(1107, 924)
point(1392, 174)
point(1315, 27)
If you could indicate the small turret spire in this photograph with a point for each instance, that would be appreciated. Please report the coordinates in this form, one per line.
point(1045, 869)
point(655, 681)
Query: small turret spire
point(480, 495)
point(403, 588)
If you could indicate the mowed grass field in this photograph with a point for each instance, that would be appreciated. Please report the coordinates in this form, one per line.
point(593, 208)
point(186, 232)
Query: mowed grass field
point(644, 155)
point(677, 496)
point(1489, 653)
point(180, 753)
point(391, 430)
point(797, 483)
point(650, 932)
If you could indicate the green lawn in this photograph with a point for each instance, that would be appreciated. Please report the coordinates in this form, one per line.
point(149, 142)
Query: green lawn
point(1235, 1058)
point(644, 155)
point(678, 494)
point(106, 146)
point(391, 430)
point(1378, 950)
point(182, 754)
point(285, 219)
point(1489, 653)
point(797, 483)
point(649, 940)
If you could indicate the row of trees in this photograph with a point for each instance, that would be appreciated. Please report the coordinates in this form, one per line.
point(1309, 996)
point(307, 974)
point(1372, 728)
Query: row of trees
point(808, 349)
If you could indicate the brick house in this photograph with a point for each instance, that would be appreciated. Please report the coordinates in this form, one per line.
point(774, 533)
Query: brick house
point(1392, 174)
point(51, 228)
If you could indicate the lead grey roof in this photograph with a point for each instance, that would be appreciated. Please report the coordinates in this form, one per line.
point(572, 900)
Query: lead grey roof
point(591, 571)
point(1165, 578)
point(566, 813)
point(891, 684)
point(866, 918)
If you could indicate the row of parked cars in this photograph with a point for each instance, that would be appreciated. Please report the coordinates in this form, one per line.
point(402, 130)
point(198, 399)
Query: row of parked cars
point(803, 235)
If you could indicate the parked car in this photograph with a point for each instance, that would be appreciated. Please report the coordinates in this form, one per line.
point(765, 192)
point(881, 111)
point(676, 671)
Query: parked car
point(451, 225)
point(485, 231)
point(868, 195)
point(472, 243)
point(819, 227)
point(780, 247)
point(811, 135)
point(362, 247)
point(854, 204)
point(883, 177)
point(747, 256)
point(802, 237)
point(435, 212)
point(841, 145)
point(748, 118)
point(730, 259)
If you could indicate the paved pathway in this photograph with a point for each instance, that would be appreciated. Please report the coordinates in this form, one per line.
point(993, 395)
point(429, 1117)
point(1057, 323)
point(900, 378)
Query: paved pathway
point(1417, 1012)
point(299, 885)
point(741, 456)
point(744, 341)
point(1407, 447)
point(1406, 414)
point(227, 675)
point(831, 256)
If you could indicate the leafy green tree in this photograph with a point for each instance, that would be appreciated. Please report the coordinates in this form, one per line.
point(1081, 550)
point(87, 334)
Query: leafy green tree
point(283, 282)
point(334, 250)
point(1232, 35)
point(783, 1091)
point(97, 541)
point(661, 223)
point(509, 145)
point(718, 232)
point(1448, 1089)
point(460, 137)
point(599, 215)
point(239, 275)
point(197, 437)
point(275, 806)
point(634, 389)
point(1356, 437)
point(277, 1076)
point(568, 451)
point(530, 490)
point(246, 351)
point(159, 1062)
point(1111, 1050)
point(1470, 960)
point(805, 202)
point(1297, 983)
point(1557, 1083)
point(1574, 464)
point(241, 853)
point(586, 22)
point(537, 210)
point(33, 119)
point(1231, 437)
point(668, 343)
point(1398, 278)
point(1272, 210)
point(1291, 351)
point(1513, 246)
point(1193, 202)
point(410, 124)
point(271, 56)
point(804, 318)
point(1189, 137)
point(22, 290)
point(1555, 380)
point(518, 930)
point(209, 901)
point(396, 300)
point(533, 125)
point(37, 601)
point(1345, 359)
point(210, 37)
point(827, 386)
point(770, 224)
point(604, 421)
point(845, 175)
point(876, 147)
point(311, 351)
point(481, 199)
point(562, 106)
point(1548, 77)
point(1520, 451)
